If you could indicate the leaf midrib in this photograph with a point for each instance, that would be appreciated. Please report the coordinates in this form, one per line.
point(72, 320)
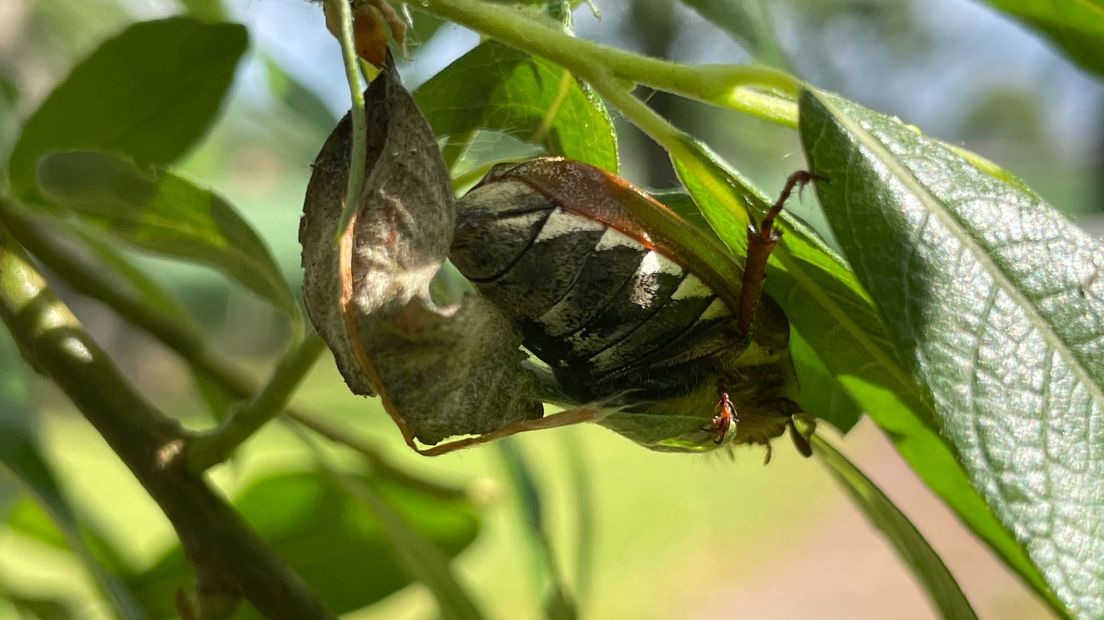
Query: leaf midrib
point(955, 227)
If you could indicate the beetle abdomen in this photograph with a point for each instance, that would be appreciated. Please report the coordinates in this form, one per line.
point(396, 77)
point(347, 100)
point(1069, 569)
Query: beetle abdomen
point(594, 302)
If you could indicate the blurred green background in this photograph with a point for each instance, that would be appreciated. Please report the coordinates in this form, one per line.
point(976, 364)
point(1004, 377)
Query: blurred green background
point(673, 535)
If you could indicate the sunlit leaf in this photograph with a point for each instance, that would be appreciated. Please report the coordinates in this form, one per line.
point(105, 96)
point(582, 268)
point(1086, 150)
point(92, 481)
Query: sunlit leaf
point(150, 93)
point(499, 88)
point(835, 319)
point(992, 301)
point(157, 211)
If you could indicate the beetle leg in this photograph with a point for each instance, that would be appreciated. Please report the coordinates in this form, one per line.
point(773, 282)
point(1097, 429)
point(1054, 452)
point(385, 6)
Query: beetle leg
point(721, 422)
point(762, 238)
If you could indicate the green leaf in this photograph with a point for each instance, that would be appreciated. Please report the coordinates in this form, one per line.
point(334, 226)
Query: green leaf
point(36, 607)
point(21, 458)
point(831, 315)
point(662, 433)
point(993, 302)
point(155, 210)
point(421, 557)
point(909, 543)
point(131, 279)
point(340, 550)
point(502, 89)
point(422, 27)
point(150, 93)
point(1076, 26)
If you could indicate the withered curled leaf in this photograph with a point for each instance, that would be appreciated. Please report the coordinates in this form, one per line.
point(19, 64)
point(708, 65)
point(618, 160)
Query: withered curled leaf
point(440, 371)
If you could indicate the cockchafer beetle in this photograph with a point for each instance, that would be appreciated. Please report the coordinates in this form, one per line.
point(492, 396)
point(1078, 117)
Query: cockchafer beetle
point(631, 306)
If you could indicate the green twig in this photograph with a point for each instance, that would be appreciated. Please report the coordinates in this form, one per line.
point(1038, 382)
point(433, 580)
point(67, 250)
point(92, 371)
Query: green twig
point(229, 559)
point(678, 144)
point(735, 86)
point(358, 149)
point(379, 465)
point(214, 447)
point(761, 92)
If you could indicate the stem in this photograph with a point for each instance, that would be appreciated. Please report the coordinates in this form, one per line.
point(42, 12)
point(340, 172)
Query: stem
point(358, 149)
point(725, 85)
point(229, 559)
point(60, 261)
point(216, 446)
point(376, 461)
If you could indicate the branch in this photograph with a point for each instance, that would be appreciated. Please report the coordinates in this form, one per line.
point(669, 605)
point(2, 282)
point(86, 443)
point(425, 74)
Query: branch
point(228, 557)
point(214, 447)
point(758, 91)
point(764, 93)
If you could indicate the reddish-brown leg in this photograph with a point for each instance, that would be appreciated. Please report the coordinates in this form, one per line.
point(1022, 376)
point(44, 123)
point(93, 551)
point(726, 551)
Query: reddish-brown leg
point(761, 241)
point(723, 420)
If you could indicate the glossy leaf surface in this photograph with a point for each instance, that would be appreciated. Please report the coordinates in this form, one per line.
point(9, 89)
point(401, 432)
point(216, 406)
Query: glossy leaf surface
point(499, 88)
point(990, 299)
point(834, 318)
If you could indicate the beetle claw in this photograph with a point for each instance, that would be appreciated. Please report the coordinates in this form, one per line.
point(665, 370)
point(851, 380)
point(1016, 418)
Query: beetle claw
point(721, 422)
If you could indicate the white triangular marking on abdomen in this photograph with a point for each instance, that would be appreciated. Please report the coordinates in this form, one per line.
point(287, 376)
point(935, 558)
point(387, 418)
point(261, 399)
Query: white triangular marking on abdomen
point(690, 288)
point(561, 223)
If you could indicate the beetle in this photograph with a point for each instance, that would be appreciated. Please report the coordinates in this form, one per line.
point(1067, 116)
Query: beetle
point(631, 306)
